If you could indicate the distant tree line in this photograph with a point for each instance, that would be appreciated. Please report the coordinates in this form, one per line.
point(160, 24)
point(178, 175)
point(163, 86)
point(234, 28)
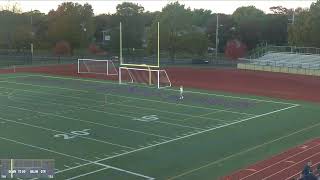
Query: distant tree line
point(182, 29)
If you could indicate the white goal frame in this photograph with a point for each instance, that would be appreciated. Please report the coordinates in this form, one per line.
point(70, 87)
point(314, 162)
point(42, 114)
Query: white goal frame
point(98, 60)
point(147, 70)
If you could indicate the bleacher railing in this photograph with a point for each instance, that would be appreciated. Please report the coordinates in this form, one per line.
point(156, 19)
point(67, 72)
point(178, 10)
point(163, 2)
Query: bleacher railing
point(262, 50)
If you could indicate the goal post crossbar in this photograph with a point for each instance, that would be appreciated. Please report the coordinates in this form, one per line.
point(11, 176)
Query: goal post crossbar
point(101, 60)
point(139, 65)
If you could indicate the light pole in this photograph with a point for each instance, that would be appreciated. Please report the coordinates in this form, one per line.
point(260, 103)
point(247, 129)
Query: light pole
point(84, 29)
point(32, 35)
point(217, 36)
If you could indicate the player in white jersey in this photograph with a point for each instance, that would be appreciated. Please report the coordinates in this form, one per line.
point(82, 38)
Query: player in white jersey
point(181, 92)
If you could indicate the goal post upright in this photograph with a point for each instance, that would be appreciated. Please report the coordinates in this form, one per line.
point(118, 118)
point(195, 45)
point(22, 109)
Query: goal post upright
point(108, 68)
point(158, 45)
point(78, 66)
point(158, 81)
point(121, 61)
point(149, 73)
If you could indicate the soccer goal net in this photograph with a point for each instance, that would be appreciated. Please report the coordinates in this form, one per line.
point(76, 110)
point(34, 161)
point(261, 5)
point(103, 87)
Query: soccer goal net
point(152, 77)
point(94, 66)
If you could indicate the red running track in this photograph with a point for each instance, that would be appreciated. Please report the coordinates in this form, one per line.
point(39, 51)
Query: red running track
point(284, 166)
point(279, 85)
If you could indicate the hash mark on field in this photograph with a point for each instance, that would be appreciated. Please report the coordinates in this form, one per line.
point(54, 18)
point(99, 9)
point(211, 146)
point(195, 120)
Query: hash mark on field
point(66, 166)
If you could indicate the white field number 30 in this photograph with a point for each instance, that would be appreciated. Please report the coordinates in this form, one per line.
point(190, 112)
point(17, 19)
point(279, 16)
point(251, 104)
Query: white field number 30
point(148, 118)
point(73, 134)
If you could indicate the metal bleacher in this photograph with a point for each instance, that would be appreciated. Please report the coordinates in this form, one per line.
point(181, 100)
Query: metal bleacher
point(295, 61)
point(289, 60)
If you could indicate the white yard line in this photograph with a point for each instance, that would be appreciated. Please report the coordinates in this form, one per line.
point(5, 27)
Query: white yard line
point(86, 174)
point(57, 131)
point(201, 115)
point(151, 100)
point(131, 118)
point(125, 105)
point(89, 122)
point(75, 157)
point(176, 104)
point(187, 136)
point(70, 89)
point(168, 89)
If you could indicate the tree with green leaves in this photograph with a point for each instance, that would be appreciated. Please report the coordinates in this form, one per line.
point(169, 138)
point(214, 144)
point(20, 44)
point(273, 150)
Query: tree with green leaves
point(200, 17)
point(71, 22)
point(130, 15)
point(249, 21)
point(315, 24)
point(174, 22)
point(194, 43)
point(300, 33)
point(227, 30)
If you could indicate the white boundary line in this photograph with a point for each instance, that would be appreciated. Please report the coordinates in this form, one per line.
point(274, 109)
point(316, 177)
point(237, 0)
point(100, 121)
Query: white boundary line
point(147, 147)
point(92, 172)
point(187, 136)
point(245, 151)
point(75, 157)
point(212, 94)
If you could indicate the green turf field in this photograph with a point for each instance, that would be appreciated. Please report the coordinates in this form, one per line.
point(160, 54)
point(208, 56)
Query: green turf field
point(97, 129)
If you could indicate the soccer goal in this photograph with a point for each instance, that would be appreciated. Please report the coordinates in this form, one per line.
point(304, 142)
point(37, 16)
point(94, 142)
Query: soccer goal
point(94, 66)
point(147, 76)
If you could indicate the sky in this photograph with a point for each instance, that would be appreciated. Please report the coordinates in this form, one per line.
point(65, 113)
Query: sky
point(109, 6)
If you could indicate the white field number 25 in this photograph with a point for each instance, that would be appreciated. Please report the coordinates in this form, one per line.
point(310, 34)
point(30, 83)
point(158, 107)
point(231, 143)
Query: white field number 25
point(73, 134)
point(148, 118)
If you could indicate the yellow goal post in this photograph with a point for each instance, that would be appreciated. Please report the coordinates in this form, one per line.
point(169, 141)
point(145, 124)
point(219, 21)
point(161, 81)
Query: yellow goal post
point(143, 73)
